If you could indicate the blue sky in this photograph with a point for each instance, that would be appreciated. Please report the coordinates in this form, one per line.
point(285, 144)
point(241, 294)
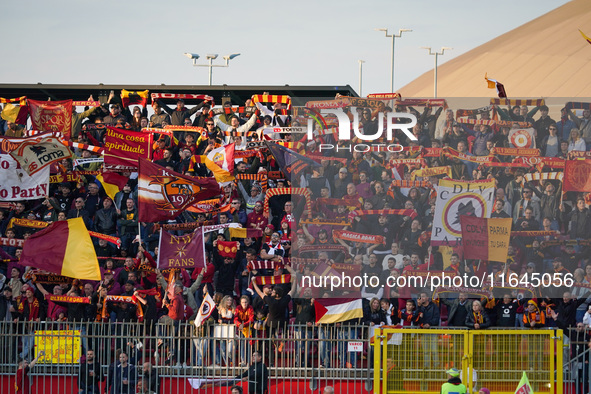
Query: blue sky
point(296, 43)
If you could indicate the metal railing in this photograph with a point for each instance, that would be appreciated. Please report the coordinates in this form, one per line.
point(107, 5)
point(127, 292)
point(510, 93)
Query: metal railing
point(183, 357)
point(577, 368)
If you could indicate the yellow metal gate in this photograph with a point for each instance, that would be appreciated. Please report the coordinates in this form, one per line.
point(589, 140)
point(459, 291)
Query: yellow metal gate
point(415, 360)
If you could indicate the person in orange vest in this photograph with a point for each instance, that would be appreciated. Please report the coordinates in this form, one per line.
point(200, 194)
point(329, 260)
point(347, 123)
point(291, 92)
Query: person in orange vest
point(534, 318)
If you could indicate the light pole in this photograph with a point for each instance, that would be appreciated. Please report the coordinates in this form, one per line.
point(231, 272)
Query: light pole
point(393, 36)
point(361, 77)
point(436, 54)
point(210, 58)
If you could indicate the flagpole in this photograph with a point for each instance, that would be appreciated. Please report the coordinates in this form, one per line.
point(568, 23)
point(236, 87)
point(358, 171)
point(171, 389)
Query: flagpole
point(159, 249)
point(203, 246)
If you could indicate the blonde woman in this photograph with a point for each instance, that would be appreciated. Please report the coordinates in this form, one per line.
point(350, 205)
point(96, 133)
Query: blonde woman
point(226, 312)
point(575, 141)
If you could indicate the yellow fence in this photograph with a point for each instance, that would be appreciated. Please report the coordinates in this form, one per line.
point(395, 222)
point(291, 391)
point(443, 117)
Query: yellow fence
point(415, 360)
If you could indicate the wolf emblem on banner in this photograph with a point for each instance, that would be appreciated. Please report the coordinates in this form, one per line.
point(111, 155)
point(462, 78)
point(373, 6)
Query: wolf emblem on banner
point(456, 199)
point(163, 194)
point(177, 191)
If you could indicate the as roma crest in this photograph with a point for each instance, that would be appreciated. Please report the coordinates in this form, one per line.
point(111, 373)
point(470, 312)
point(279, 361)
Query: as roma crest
point(178, 192)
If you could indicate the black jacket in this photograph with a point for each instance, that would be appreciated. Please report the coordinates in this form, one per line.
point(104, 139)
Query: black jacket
point(84, 377)
point(429, 315)
point(471, 320)
point(258, 378)
point(105, 221)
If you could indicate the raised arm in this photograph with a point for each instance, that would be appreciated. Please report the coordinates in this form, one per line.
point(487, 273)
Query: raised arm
point(257, 288)
point(294, 282)
point(39, 355)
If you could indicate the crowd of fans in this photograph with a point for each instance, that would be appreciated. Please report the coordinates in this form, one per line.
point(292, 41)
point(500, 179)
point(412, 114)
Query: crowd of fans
point(358, 180)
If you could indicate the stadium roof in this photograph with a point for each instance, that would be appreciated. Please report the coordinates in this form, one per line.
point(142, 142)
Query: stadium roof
point(238, 94)
point(546, 57)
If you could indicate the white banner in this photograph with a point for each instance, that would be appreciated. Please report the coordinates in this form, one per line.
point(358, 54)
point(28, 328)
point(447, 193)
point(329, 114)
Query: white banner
point(34, 154)
point(16, 184)
point(455, 199)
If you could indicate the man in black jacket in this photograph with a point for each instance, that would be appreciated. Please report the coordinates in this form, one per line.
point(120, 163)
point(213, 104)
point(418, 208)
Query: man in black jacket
point(89, 374)
point(257, 375)
point(458, 310)
point(105, 220)
point(429, 317)
point(565, 312)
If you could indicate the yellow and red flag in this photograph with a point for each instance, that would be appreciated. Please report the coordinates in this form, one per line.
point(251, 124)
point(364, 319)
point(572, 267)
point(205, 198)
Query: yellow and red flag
point(486, 239)
point(219, 174)
point(129, 97)
point(15, 113)
point(112, 182)
point(493, 83)
point(585, 37)
point(63, 248)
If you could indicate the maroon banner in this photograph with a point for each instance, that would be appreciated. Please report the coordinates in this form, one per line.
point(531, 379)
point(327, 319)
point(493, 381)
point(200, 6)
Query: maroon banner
point(163, 194)
point(123, 148)
point(186, 251)
point(577, 176)
point(474, 237)
point(52, 116)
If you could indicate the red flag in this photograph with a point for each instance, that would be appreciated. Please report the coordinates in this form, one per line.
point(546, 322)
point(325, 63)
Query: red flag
point(577, 175)
point(185, 251)
point(163, 194)
point(52, 116)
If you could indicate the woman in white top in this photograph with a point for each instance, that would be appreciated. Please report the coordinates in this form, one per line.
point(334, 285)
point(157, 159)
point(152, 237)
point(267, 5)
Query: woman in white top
point(576, 142)
point(226, 311)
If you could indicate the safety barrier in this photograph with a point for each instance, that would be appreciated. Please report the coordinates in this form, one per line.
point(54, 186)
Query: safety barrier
point(183, 357)
point(577, 370)
point(415, 360)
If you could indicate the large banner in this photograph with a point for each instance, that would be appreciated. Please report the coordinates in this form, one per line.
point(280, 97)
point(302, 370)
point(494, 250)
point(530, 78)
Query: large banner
point(16, 184)
point(486, 239)
point(60, 347)
point(164, 194)
point(455, 199)
point(52, 116)
point(123, 148)
point(185, 251)
point(577, 176)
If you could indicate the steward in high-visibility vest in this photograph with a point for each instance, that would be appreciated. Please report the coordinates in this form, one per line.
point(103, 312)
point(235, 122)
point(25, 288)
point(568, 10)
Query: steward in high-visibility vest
point(454, 383)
